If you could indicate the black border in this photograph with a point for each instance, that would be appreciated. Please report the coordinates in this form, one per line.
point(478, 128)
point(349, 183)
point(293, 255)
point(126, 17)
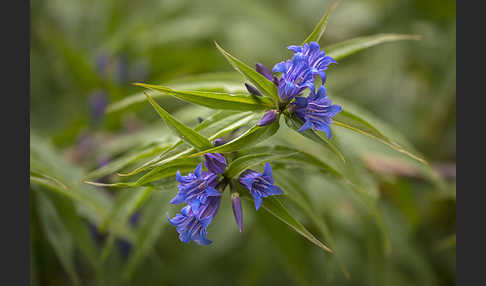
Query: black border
point(14, 118)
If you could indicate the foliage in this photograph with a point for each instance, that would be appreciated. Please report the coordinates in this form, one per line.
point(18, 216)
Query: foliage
point(334, 222)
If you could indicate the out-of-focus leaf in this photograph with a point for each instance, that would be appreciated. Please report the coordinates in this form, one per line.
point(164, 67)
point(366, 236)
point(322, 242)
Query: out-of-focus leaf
point(128, 202)
point(346, 48)
point(295, 123)
point(159, 173)
point(57, 235)
point(254, 135)
point(190, 136)
point(151, 226)
point(293, 191)
point(273, 206)
point(125, 160)
point(357, 124)
point(267, 87)
point(215, 100)
point(319, 29)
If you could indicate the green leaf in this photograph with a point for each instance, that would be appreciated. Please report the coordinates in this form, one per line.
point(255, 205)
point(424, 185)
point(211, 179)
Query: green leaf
point(216, 100)
point(253, 136)
point(128, 202)
point(244, 162)
point(319, 29)
point(168, 170)
point(125, 160)
point(57, 235)
point(273, 206)
point(267, 87)
point(218, 124)
point(293, 191)
point(259, 155)
point(212, 82)
point(346, 48)
point(295, 123)
point(156, 174)
point(357, 124)
point(151, 227)
point(185, 133)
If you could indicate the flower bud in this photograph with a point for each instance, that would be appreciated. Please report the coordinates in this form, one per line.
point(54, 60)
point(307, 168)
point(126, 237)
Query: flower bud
point(263, 70)
point(268, 118)
point(237, 211)
point(215, 162)
point(219, 141)
point(252, 90)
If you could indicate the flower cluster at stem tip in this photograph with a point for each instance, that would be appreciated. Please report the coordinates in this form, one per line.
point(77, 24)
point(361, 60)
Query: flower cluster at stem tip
point(201, 191)
point(296, 75)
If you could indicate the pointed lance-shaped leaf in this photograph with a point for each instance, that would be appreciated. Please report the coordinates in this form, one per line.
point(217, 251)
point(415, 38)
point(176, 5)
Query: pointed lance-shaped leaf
point(190, 136)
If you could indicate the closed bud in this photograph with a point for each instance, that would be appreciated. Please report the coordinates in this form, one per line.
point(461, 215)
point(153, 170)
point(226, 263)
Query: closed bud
point(215, 162)
point(252, 90)
point(219, 142)
point(263, 70)
point(268, 118)
point(237, 211)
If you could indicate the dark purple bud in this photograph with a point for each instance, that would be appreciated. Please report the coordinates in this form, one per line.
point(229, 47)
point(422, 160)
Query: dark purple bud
point(215, 162)
point(237, 211)
point(253, 90)
point(268, 118)
point(219, 141)
point(262, 69)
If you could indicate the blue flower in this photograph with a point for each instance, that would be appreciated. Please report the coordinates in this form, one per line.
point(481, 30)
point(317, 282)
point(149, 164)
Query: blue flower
point(316, 111)
point(190, 228)
point(260, 185)
point(191, 225)
point(317, 59)
point(296, 77)
point(196, 187)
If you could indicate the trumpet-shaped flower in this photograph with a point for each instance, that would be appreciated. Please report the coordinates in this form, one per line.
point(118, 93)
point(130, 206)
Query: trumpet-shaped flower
point(316, 111)
point(316, 59)
point(260, 185)
point(196, 187)
point(296, 77)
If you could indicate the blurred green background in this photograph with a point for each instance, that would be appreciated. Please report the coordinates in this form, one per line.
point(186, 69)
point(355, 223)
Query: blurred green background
point(85, 55)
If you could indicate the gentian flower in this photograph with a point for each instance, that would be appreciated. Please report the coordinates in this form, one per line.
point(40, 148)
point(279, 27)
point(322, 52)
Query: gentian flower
point(260, 185)
point(296, 77)
point(196, 187)
point(215, 162)
point(317, 59)
point(190, 228)
point(192, 225)
point(316, 111)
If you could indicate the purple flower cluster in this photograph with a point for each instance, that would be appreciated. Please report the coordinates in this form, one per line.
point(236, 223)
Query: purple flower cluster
point(199, 191)
point(297, 75)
